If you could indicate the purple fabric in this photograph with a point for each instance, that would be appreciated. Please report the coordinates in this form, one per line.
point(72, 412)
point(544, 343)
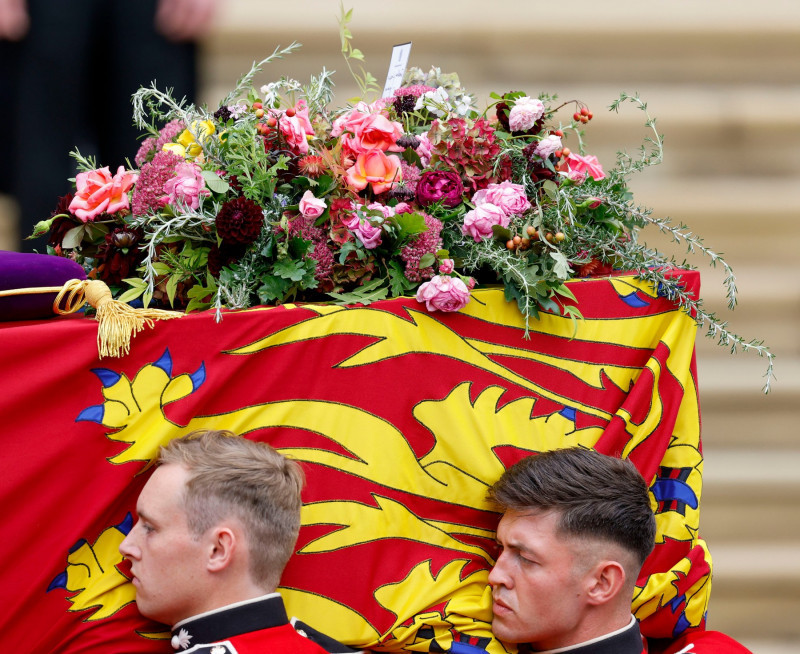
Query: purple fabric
point(20, 270)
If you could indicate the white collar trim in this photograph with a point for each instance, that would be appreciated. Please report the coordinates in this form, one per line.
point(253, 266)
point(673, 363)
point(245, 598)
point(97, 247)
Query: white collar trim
point(569, 648)
point(225, 608)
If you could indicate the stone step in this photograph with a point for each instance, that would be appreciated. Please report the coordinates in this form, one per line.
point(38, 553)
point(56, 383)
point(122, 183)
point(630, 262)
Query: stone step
point(751, 494)
point(736, 416)
point(755, 591)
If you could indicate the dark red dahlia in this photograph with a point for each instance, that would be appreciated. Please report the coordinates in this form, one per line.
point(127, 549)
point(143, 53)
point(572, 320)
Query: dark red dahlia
point(240, 221)
point(61, 225)
point(223, 255)
point(119, 255)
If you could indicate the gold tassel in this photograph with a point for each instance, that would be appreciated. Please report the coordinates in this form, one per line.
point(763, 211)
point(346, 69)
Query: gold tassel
point(118, 322)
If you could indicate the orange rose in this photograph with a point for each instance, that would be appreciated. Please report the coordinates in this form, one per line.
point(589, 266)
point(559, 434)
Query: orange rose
point(375, 168)
point(98, 192)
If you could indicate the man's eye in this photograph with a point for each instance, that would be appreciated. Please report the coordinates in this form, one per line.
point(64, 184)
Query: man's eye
point(148, 528)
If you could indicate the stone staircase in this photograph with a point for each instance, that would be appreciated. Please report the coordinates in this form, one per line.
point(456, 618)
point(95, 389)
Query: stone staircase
point(722, 78)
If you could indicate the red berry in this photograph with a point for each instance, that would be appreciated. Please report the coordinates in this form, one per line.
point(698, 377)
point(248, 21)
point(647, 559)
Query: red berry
point(510, 244)
point(590, 115)
point(584, 111)
point(290, 112)
point(576, 116)
point(517, 240)
point(258, 105)
point(558, 133)
point(272, 121)
point(566, 152)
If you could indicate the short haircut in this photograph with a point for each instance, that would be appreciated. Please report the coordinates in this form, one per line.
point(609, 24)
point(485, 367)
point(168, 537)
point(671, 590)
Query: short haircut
point(234, 476)
point(596, 496)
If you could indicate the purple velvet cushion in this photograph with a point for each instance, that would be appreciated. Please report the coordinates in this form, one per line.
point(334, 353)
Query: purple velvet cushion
point(20, 270)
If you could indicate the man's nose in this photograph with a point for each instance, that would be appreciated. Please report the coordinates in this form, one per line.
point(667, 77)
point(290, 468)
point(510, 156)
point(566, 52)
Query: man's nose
point(128, 548)
point(498, 575)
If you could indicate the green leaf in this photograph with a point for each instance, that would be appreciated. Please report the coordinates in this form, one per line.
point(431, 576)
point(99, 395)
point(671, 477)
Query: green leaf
point(161, 268)
point(214, 182)
point(370, 292)
point(550, 188)
point(73, 237)
point(172, 287)
point(289, 269)
point(501, 233)
point(409, 224)
point(561, 269)
point(138, 287)
point(427, 259)
point(273, 289)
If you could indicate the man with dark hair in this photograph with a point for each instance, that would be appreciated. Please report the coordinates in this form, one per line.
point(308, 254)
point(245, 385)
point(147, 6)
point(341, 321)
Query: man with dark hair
point(217, 522)
point(576, 527)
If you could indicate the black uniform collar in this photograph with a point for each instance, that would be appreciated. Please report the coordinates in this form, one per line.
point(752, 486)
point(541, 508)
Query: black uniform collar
point(627, 640)
point(229, 621)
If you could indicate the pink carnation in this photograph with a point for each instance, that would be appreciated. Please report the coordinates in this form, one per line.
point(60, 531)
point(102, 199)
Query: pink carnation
point(443, 293)
point(510, 198)
point(588, 165)
point(478, 223)
point(524, 114)
point(187, 186)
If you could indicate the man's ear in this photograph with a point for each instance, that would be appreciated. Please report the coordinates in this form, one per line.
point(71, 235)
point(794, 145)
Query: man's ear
point(605, 581)
point(222, 547)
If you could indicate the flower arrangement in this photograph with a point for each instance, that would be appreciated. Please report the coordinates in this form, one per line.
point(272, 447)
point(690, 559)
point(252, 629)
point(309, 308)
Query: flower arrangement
point(275, 197)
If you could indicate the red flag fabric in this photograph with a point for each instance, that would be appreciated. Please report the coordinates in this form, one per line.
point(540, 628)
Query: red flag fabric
point(402, 419)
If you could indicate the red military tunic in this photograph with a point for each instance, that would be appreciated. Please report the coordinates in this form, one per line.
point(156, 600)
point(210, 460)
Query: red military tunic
point(256, 626)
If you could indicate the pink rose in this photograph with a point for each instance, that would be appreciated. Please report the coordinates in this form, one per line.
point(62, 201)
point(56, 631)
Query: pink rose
point(350, 121)
point(295, 128)
point(446, 266)
point(376, 132)
point(443, 293)
point(311, 206)
point(587, 165)
point(368, 234)
point(385, 209)
point(509, 197)
point(478, 222)
point(443, 186)
point(375, 168)
point(524, 114)
point(187, 186)
point(548, 145)
point(98, 192)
